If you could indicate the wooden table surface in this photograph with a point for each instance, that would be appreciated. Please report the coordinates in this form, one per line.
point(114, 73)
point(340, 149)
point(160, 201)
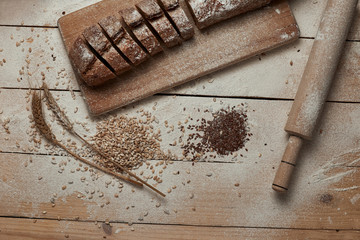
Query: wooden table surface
point(324, 202)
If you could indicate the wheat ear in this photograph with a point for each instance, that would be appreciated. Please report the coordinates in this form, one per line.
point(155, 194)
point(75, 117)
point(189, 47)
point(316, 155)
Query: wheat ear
point(66, 123)
point(36, 108)
point(55, 108)
point(40, 123)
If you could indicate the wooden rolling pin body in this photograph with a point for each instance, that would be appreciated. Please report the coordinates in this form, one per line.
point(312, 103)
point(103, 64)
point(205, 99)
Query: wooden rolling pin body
point(315, 83)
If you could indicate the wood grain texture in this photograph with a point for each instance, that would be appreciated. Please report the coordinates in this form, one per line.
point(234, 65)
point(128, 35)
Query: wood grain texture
point(26, 229)
point(252, 78)
point(328, 168)
point(212, 49)
point(315, 205)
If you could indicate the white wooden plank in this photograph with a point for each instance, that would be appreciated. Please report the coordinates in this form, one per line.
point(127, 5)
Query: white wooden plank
point(44, 229)
point(272, 77)
point(38, 12)
point(277, 75)
point(266, 119)
point(216, 201)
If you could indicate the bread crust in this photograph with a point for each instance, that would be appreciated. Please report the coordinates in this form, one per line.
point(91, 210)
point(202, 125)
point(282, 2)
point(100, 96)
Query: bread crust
point(179, 18)
point(170, 4)
point(209, 12)
point(135, 22)
point(156, 17)
point(113, 27)
point(99, 42)
point(91, 70)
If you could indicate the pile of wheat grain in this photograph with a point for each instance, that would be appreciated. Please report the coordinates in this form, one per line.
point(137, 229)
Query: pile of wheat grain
point(129, 140)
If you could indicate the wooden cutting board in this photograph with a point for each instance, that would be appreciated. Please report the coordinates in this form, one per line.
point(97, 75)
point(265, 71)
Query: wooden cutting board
point(211, 49)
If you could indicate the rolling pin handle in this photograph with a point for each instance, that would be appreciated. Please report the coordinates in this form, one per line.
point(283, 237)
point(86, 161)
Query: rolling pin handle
point(287, 164)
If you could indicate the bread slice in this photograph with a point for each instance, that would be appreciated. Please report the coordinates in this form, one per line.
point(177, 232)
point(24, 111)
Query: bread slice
point(113, 28)
point(209, 12)
point(135, 22)
point(99, 42)
point(179, 18)
point(161, 24)
point(91, 70)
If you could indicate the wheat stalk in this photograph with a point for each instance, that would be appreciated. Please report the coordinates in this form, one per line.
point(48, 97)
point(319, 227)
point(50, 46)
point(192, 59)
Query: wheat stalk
point(40, 123)
point(66, 123)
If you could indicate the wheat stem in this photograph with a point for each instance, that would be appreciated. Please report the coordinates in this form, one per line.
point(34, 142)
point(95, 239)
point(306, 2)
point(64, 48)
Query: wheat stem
point(97, 166)
point(45, 130)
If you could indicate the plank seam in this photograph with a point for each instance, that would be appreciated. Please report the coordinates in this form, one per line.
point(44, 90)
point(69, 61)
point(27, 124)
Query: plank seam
point(185, 225)
point(27, 26)
point(200, 96)
point(200, 162)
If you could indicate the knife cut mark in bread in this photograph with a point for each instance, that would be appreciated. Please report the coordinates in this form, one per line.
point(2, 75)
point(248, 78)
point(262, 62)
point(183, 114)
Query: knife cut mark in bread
point(92, 71)
point(178, 17)
point(209, 12)
point(160, 23)
point(122, 40)
point(99, 42)
point(135, 22)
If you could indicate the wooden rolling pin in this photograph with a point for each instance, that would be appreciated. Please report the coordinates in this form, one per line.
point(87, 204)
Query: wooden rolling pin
point(315, 84)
